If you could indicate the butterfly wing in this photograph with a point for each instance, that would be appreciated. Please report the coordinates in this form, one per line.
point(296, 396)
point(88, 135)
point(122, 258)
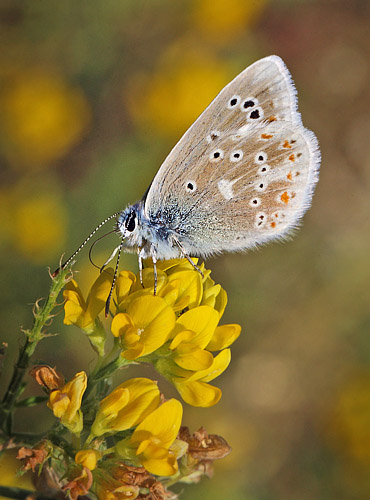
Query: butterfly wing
point(244, 172)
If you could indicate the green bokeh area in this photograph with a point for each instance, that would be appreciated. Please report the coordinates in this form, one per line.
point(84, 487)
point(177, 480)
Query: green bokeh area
point(93, 96)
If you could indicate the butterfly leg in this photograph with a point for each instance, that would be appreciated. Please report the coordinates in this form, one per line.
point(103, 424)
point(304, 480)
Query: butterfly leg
point(153, 254)
point(179, 246)
point(140, 254)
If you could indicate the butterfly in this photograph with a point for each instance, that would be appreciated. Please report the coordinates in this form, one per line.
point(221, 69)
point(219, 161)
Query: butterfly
point(242, 175)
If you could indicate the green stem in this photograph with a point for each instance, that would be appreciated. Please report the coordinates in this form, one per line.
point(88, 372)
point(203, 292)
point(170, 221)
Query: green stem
point(34, 336)
point(104, 372)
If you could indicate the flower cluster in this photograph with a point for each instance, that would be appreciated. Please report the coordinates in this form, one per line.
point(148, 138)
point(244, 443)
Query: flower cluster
point(144, 432)
point(176, 330)
point(129, 442)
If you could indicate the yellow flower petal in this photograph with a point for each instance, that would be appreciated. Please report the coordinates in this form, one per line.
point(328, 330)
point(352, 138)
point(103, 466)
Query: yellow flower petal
point(66, 402)
point(88, 458)
point(152, 439)
point(99, 292)
point(202, 320)
point(221, 302)
point(184, 336)
point(148, 280)
point(120, 324)
point(134, 352)
point(172, 265)
point(199, 393)
point(220, 363)
point(75, 305)
point(189, 284)
point(153, 320)
point(126, 406)
point(124, 284)
point(223, 336)
point(209, 295)
point(163, 423)
point(166, 466)
point(192, 357)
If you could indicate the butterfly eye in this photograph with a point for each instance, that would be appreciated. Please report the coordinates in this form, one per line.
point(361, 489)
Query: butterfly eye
point(218, 154)
point(234, 101)
point(248, 103)
point(190, 186)
point(130, 222)
point(260, 157)
point(236, 155)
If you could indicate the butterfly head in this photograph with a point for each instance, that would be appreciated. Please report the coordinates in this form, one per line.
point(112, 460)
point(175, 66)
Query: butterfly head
point(129, 225)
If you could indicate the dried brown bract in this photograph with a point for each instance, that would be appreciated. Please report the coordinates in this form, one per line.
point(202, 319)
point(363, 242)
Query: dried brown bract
point(32, 457)
point(204, 446)
point(47, 377)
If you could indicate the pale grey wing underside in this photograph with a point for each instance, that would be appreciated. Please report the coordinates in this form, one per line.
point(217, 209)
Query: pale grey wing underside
point(244, 172)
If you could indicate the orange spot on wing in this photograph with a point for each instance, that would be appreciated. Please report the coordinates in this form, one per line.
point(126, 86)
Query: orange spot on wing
point(287, 145)
point(266, 136)
point(284, 197)
point(272, 119)
point(292, 157)
point(289, 176)
point(273, 224)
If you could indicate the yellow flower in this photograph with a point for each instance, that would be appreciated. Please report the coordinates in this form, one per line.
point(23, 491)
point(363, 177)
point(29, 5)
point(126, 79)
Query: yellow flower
point(43, 118)
point(145, 327)
point(194, 387)
point(66, 402)
point(191, 366)
point(126, 406)
point(83, 313)
point(88, 458)
point(152, 440)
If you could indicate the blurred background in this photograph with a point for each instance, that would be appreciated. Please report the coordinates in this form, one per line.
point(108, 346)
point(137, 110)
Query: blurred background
point(93, 96)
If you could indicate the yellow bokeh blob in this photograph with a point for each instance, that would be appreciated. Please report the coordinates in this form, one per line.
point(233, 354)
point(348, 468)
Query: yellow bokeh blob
point(349, 427)
point(168, 101)
point(43, 118)
point(39, 227)
point(9, 466)
point(224, 20)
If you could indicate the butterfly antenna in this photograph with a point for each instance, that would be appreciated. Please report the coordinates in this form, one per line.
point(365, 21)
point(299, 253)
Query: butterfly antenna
point(107, 304)
point(68, 261)
point(93, 245)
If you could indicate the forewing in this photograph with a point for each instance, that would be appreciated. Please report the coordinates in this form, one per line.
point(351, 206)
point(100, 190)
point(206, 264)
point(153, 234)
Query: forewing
point(244, 172)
